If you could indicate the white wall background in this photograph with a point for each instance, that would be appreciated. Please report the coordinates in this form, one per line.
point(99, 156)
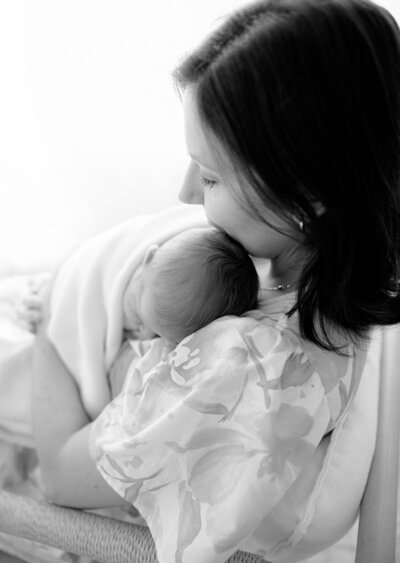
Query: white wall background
point(90, 125)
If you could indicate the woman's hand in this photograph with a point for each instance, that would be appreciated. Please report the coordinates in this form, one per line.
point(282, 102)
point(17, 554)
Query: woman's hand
point(61, 431)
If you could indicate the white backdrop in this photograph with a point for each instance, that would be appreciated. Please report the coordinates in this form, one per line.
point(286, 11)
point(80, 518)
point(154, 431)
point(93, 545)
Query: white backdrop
point(90, 125)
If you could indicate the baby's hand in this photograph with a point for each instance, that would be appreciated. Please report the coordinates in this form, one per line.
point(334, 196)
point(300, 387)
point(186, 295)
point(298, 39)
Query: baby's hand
point(30, 310)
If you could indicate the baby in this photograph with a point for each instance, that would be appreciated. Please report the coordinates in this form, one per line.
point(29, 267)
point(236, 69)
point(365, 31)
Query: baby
point(181, 286)
point(187, 282)
point(177, 288)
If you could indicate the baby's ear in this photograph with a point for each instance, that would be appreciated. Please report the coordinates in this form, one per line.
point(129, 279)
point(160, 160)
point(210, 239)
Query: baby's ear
point(150, 253)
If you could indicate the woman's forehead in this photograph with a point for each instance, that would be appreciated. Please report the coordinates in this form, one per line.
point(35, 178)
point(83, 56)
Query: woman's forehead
point(199, 147)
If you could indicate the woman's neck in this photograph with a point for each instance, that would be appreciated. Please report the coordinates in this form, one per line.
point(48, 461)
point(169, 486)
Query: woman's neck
point(279, 273)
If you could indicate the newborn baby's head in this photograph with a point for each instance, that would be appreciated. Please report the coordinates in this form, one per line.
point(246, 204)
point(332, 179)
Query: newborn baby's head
point(189, 281)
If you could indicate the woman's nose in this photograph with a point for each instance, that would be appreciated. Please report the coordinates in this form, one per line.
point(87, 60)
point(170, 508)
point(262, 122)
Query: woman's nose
point(192, 190)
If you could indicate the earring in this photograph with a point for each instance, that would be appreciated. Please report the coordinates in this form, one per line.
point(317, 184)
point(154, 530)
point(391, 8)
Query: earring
point(299, 222)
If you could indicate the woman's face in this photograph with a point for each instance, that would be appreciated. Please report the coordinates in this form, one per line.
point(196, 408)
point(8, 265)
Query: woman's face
point(211, 181)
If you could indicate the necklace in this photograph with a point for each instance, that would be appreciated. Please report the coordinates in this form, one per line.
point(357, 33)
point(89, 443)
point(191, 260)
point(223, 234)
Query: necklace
point(280, 287)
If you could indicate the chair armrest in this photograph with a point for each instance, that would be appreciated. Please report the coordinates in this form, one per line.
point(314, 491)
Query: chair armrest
point(77, 531)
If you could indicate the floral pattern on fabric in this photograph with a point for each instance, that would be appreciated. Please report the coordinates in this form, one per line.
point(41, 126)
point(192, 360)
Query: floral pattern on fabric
point(207, 440)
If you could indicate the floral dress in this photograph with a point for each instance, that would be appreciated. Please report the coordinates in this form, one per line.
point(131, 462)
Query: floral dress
point(207, 437)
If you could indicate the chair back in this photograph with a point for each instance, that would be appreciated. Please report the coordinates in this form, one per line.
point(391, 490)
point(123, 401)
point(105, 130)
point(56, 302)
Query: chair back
point(376, 540)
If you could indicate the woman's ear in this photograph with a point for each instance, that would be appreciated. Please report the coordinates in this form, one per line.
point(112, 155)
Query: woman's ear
point(150, 253)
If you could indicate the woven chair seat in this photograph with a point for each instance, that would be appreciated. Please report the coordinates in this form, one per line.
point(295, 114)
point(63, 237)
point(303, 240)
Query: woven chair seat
point(99, 537)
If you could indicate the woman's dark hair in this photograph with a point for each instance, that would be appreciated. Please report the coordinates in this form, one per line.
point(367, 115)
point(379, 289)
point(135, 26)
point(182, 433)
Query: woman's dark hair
point(305, 97)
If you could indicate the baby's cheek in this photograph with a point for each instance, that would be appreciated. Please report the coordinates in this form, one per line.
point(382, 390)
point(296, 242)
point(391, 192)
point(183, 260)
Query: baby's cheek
point(146, 333)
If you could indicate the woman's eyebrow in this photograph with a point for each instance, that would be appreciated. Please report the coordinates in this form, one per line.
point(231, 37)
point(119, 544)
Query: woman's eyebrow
point(202, 164)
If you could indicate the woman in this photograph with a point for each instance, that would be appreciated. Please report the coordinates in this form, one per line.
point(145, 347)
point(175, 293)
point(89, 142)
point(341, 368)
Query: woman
point(292, 119)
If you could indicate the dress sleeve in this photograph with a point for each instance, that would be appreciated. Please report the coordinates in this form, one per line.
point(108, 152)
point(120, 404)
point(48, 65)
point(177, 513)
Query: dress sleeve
point(215, 435)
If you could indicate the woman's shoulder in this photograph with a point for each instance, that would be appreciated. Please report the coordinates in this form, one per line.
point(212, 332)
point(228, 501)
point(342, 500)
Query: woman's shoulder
point(265, 336)
point(237, 347)
point(269, 344)
point(262, 350)
point(272, 315)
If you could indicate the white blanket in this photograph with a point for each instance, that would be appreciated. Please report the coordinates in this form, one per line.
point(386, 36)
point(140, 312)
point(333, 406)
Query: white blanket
point(86, 325)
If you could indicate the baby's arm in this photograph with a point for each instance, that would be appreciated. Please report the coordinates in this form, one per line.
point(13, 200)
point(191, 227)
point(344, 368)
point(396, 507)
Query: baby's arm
point(120, 367)
point(136, 357)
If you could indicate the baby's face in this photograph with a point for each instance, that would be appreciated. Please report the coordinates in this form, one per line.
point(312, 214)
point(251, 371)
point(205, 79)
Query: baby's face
point(139, 307)
point(139, 313)
point(146, 309)
point(132, 306)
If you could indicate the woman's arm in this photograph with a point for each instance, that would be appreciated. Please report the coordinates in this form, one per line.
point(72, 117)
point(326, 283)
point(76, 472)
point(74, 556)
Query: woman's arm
point(61, 431)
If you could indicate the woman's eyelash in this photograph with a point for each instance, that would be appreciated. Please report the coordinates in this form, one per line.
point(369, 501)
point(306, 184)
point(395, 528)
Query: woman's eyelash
point(207, 182)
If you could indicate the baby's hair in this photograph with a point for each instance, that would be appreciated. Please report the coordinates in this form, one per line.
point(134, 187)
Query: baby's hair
point(304, 97)
point(201, 275)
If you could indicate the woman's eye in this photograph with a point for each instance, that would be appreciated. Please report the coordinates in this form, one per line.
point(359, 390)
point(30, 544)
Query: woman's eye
point(207, 182)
